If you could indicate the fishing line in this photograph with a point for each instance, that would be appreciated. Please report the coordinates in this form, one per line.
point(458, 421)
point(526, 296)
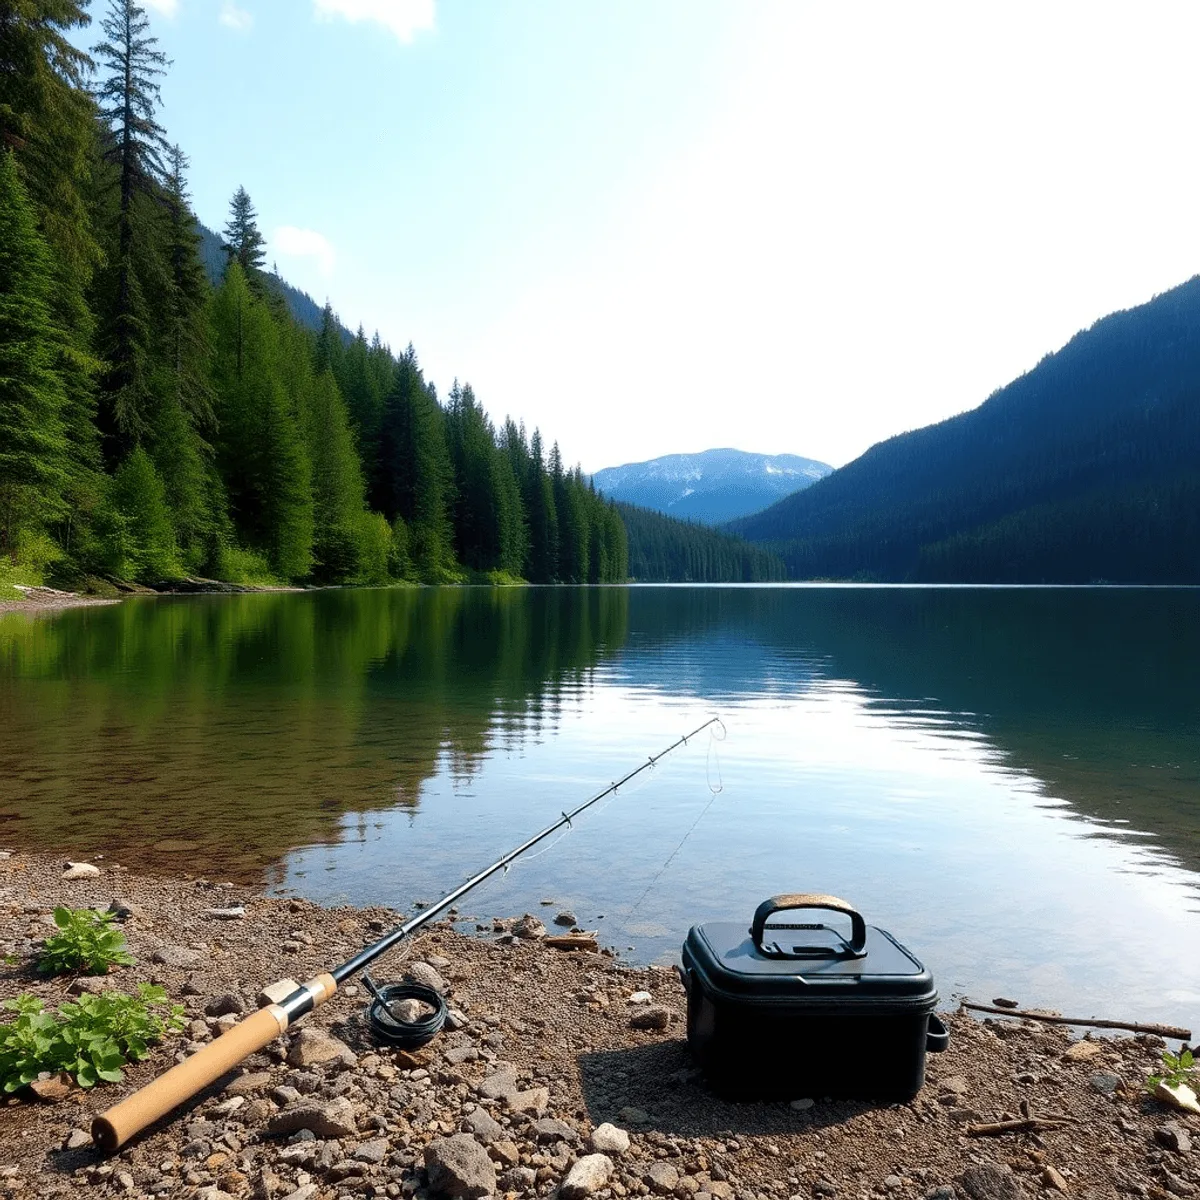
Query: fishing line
point(715, 791)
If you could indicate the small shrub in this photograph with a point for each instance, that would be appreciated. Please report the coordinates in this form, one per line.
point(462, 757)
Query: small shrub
point(1177, 1069)
point(86, 941)
point(91, 1039)
point(244, 566)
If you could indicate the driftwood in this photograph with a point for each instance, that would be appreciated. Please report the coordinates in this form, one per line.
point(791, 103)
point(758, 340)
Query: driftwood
point(1164, 1031)
point(573, 941)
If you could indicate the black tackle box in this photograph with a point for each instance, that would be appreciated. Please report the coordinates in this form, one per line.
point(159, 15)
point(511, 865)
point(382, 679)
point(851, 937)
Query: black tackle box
point(798, 1008)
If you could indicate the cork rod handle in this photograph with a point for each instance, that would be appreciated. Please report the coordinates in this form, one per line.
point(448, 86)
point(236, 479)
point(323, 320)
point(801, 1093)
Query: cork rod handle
point(112, 1129)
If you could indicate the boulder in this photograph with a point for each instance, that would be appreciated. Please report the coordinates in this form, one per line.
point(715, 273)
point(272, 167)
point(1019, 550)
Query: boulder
point(458, 1166)
point(80, 870)
point(588, 1175)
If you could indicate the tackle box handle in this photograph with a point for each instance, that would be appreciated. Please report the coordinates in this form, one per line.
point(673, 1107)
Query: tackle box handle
point(856, 947)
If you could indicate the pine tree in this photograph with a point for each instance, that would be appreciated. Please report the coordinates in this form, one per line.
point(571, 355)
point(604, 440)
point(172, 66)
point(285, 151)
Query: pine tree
point(128, 98)
point(243, 240)
point(141, 542)
point(33, 444)
point(338, 491)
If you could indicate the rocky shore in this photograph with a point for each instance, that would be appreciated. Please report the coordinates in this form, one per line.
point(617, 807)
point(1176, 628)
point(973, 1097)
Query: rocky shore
point(558, 1073)
point(37, 600)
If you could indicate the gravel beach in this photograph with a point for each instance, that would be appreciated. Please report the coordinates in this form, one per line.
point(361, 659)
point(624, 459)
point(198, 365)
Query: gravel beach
point(544, 1086)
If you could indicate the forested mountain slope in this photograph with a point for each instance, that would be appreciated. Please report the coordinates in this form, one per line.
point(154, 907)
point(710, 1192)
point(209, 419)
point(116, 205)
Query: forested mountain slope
point(1086, 468)
point(665, 550)
point(713, 486)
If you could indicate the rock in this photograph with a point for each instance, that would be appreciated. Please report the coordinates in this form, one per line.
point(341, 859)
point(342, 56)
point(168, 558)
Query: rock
point(640, 998)
point(1174, 1137)
point(893, 1182)
point(1004, 1002)
point(248, 1083)
point(275, 993)
point(1081, 1051)
point(501, 1084)
point(332, 1120)
point(992, 1181)
point(802, 1105)
point(942, 1192)
point(1051, 1178)
point(654, 1017)
point(313, 1046)
point(534, 1101)
point(459, 1166)
point(483, 1126)
point(236, 913)
point(1180, 1096)
point(178, 956)
point(608, 1139)
point(461, 1054)
point(955, 1085)
point(228, 1107)
point(223, 1005)
point(123, 910)
point(373, 1152)
point(409, 1011)
point(423, 973)
point(634, 1116)
point(77, 1139)
point(1105, 1082)
point(551, 1129)
point(305, 1192)
point(505, 1152)
point(520, 1179)
point(824, 1187)
point(80, 870)
point(588, 1175)
point(91, 985)
point(52, 1090)
point(1177, 1185)
point(662, 1178)
point(529, 927)
point(565, 918)
point(455, 1020)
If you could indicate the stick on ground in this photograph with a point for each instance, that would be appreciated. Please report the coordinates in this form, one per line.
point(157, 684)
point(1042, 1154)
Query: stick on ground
point(1165, 1031)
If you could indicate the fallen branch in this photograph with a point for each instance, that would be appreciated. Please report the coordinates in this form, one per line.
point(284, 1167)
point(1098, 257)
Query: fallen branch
point(1164, 1031)
point(1019, 1125)
point(573, 941)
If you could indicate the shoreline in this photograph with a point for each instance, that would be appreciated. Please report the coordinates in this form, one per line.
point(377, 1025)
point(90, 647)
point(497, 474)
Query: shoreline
point(558, 1026)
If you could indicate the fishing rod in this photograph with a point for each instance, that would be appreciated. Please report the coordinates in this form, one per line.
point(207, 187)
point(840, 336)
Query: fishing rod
point(112, 1129)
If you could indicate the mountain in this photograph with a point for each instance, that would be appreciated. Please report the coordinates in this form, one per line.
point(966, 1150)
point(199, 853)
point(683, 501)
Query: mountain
point(301, 305)
point(1086, 468)
point(713, 486)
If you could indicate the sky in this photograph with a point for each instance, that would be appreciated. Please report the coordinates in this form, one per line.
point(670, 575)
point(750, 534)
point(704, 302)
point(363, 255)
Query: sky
point(659, 226)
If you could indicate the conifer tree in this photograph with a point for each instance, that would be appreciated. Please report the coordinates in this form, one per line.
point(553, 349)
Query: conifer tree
point(142, 544)
point(129, 96)
point(33, 445)
point(243, 240)
point(338, 491)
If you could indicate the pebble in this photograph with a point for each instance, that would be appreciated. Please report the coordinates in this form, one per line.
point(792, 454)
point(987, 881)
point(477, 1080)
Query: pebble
point(1174, 1137)
point(991, 1181)
point(1081, 1051)
point(236, 913)
point(373, 1152)
point(77, 1139)
point(662, 1178)
point(179, 957)
point(333, 1120)
point(313, 1046)
point(640, 998)
point(654, 1017)
point(1105, 1082)
point(566, 918)
point(802, 1105)
point(483, 1126)
point(423, 973)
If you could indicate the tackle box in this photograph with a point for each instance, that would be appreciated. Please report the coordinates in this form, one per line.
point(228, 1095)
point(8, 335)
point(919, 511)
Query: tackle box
point(801, 1007)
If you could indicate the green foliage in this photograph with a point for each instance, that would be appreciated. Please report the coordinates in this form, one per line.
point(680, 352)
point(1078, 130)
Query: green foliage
point(375, 548)
point(33, 444)
point(399, 563)
point(1178, 1069)
point(245, 567)
point(91, 1039)
point(244, 242)
point(87, 942)
point(139, 541)
point(661, 548)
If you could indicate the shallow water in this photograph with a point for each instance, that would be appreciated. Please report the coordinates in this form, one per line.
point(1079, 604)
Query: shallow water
point(1008, 779)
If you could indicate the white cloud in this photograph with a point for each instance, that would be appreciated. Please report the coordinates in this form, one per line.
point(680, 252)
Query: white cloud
point(233, 17)
point(405, 18)
point(168, 8)
point(305, 243)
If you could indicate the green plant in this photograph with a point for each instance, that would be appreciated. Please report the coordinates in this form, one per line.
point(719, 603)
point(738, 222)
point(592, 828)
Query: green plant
point(1178, 1069)
point(86, 942)
point(91, 1039)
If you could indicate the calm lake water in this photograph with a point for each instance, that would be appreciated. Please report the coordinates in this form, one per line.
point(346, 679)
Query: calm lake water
point(1008, 779)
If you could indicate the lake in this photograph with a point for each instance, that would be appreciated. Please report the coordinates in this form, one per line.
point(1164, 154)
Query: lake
point(1007, 779)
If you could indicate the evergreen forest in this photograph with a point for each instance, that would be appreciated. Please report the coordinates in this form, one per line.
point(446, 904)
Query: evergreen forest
point(666, 550)
point(162, 421)
point(1085, 469)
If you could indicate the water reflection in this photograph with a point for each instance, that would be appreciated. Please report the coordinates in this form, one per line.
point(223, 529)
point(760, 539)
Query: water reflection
point(1007, 778)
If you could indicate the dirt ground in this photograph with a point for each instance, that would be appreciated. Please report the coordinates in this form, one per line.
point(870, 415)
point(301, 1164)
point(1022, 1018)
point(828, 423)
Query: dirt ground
point(317, 1118)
